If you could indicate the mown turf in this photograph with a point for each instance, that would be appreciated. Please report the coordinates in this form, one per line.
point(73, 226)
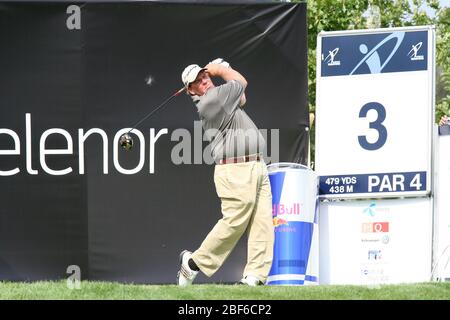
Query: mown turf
point(108, 290)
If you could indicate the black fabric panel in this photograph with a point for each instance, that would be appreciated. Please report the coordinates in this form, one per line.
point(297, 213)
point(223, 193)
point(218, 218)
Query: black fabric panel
point(43, 218)
point(119, 227)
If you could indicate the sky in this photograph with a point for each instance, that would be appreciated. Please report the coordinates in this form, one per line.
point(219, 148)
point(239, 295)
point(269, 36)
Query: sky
point(444, 3)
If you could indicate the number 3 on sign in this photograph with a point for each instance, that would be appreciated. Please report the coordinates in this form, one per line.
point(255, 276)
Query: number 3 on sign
point(377, 125)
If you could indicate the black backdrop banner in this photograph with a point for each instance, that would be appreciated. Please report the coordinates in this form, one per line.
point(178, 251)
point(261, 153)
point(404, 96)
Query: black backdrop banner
point(74, 76)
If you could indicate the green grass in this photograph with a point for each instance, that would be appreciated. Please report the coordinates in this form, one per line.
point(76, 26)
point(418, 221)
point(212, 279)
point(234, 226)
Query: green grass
point(109, 290)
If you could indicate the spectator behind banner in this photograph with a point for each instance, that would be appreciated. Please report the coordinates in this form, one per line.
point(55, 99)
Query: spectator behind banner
point(444, 120)
point(444, 125)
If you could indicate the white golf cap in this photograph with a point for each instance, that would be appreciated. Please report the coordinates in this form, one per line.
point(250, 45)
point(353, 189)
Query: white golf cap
point(190, 73)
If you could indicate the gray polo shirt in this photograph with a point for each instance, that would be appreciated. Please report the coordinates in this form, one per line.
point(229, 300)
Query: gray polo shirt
point(227, 126)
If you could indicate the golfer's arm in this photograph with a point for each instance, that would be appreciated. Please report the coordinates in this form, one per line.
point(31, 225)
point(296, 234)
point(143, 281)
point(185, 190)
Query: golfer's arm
point(228, 74)
point(243, 100)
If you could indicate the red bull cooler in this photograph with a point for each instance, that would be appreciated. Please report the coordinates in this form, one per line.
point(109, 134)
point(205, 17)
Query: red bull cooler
point(295, 217)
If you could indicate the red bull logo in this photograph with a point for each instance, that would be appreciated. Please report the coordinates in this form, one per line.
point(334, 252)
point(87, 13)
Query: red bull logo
point(278, 222)
point(280, 209)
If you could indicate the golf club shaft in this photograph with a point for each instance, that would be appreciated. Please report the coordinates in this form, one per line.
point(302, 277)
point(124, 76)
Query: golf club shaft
point(157, 108)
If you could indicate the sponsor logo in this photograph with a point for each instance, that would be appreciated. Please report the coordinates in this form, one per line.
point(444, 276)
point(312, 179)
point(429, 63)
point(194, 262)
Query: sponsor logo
point(278, 222)
point(375, 227)
point(372, 272)
point(370, 210)
point(373, 210)
point(281, 209)
point(286, 229)
point(374, 255)
point(372, 59)
point(330, 58)
point(188, 148)
point(384, 239)
point(370, 240)
point(374, 275)
point(413, 52)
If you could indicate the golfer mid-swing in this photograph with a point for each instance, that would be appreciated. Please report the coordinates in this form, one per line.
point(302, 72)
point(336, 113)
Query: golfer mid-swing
point(240, 176)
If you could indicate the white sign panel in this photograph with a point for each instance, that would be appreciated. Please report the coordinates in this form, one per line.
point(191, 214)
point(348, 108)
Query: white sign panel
point(375, 242)
point(374, 112)
point(441, 266)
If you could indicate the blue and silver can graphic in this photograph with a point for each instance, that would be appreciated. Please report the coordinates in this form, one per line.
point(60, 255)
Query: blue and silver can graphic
point(295, 217)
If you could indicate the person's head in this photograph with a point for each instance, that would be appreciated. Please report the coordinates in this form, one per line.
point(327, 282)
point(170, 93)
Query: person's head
point(196, 80)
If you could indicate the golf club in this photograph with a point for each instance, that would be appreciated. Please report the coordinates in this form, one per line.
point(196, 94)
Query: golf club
point(126, 141)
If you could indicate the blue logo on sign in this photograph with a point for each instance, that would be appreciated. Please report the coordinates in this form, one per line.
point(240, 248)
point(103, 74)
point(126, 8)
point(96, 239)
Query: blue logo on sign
point(374, 53)
point(370, 209)
point(372, 59)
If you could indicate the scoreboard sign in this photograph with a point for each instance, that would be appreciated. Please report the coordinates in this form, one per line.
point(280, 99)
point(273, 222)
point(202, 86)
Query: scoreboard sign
point(375, 111)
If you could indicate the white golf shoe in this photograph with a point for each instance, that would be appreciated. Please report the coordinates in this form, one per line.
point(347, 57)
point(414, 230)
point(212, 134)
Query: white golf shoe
point(251, 281)
point(186, 275)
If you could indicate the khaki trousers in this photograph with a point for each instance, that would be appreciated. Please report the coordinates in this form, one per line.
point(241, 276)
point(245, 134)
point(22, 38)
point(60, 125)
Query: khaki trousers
point(246, 200)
